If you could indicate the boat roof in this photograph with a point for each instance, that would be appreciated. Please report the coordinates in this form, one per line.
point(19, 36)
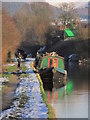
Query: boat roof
point(69, 32)
point(51, 55)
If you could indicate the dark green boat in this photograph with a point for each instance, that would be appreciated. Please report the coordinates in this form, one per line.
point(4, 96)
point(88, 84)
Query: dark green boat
point(51, 68)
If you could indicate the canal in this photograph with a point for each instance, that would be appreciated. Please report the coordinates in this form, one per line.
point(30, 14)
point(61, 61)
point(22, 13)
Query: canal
point(71, 101)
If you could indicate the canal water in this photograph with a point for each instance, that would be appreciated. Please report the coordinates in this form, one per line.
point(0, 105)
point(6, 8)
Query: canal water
point(71, 101)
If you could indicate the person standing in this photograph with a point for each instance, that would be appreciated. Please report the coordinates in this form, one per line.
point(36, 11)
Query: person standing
point(19, 60)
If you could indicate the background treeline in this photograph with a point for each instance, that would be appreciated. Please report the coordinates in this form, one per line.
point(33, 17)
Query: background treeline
point(30, 27)
point(11, 36)
point(27, 27)
point(33, 21)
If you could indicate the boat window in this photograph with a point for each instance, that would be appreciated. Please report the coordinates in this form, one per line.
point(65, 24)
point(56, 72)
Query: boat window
point(55, 63)
point(51, 62)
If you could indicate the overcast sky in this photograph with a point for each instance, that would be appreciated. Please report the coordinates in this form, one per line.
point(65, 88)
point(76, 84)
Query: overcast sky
point(50, 1)
point(78, 3)
point(56, 1)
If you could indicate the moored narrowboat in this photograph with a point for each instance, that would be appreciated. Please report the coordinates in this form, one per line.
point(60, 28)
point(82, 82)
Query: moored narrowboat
point(51, 68)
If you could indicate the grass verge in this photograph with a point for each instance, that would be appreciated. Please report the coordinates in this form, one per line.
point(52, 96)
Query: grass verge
point(23, 75)
point(9, 87)
point(24, 68)
point(51, 112)
point(10, 77)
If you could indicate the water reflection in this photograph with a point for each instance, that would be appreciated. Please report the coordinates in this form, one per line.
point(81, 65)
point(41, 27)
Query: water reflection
point(57, 94)
point(71, 101)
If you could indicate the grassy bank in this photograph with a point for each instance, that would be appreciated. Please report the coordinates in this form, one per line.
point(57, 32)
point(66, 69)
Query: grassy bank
point(9, 86)
point(51, 112)
point(23, 68)
point(11, 78)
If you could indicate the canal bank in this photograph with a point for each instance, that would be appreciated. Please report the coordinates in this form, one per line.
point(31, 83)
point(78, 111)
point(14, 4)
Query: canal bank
point(9, 81)
point(8, 84)
point(51, 111)
point(28, 102)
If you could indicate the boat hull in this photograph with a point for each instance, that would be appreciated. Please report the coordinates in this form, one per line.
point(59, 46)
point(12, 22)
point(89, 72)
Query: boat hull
point(59, 79)
point(53, 78)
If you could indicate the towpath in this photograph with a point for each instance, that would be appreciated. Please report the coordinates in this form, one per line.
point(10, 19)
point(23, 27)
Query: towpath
point(28, 102)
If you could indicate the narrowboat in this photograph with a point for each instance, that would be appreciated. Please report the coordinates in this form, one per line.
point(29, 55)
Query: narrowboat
point(51, 68)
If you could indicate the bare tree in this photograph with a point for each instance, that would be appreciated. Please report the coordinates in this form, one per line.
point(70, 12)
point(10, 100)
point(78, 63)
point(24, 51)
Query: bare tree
point(68, 12)
point(33, 21)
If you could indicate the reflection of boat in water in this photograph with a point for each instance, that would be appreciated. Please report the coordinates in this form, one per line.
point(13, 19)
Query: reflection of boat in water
point(55, 95)
point(58, 94)
point(51, 68)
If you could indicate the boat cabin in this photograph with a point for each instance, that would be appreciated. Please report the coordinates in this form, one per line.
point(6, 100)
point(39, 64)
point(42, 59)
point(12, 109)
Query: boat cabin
point(52, 60)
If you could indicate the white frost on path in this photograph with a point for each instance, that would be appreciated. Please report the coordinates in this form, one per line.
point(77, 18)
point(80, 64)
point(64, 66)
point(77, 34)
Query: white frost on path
point(34, 107)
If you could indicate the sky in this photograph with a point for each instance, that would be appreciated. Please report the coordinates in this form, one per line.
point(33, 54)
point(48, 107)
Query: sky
point(50, 1)
point(56, 1)
point(78, 3)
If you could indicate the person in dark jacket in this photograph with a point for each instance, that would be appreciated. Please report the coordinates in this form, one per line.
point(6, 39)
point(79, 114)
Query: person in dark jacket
point(19, 60)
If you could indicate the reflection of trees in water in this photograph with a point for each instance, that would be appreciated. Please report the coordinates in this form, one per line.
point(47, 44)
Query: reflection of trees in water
point(78, 75)
point(75, 70)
